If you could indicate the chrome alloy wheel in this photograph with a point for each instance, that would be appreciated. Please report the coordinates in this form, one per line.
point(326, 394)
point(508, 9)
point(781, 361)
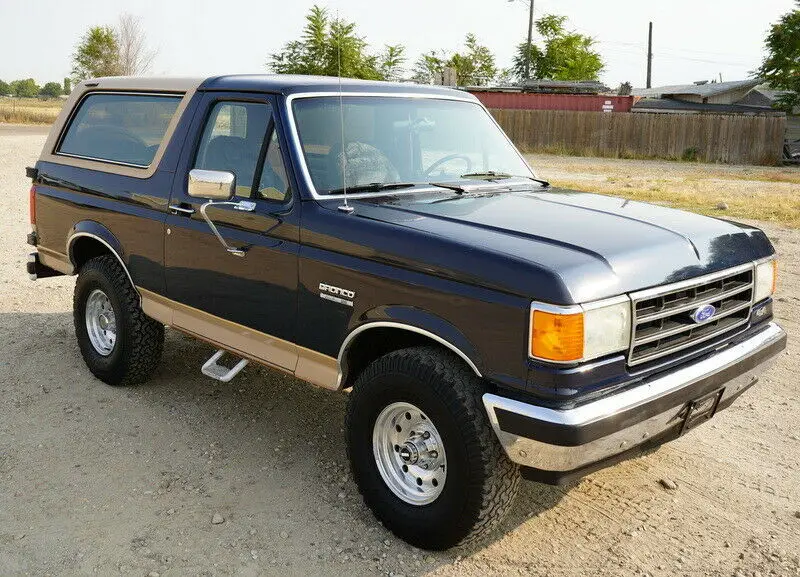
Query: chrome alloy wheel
point(101, 323)
point(409, 454)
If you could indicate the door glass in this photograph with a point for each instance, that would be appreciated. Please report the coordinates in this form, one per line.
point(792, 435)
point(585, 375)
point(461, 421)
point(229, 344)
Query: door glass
point(232, 141)
point(273, 184)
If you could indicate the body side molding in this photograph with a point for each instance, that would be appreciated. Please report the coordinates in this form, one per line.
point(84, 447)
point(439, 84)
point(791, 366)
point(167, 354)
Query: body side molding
point(310, 366)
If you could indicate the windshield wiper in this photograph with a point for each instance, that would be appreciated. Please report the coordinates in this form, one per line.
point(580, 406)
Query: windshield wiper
point(373, 187)
point(492, 175)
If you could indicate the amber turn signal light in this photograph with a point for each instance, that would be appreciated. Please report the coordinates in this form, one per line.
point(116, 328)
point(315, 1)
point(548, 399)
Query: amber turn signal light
point(557, 337)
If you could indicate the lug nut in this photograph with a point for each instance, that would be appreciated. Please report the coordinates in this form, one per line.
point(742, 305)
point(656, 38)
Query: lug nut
point(433, 454)
point(426, 435)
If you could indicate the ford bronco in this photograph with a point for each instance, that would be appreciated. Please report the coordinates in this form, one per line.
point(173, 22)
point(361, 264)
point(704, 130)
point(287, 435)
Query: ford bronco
point(389, 240)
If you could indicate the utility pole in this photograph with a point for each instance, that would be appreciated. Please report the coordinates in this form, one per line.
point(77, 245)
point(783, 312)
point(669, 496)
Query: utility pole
point(649, 56)
point(530, 40)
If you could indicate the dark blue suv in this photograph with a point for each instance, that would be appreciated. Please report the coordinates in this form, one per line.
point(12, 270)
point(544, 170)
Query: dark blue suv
point(388, 239)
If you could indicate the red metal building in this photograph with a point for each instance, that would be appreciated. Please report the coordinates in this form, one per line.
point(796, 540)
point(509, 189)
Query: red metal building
point(536, 101)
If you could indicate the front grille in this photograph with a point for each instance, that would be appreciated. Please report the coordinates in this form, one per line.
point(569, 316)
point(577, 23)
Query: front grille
point(662, 316)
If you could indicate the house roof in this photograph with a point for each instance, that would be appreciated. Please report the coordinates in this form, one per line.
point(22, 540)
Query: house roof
point(565, 86)
point(668, 105)
point(704, 90)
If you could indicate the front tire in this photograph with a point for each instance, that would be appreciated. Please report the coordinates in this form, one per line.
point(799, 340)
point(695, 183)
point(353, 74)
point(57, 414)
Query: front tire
point(118, 342)
point(422, 451)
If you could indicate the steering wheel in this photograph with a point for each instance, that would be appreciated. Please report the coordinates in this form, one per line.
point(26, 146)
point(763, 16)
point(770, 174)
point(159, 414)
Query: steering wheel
point(466, 159)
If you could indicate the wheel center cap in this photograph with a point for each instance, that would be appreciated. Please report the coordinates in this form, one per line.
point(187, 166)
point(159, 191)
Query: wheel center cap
point(409, 453)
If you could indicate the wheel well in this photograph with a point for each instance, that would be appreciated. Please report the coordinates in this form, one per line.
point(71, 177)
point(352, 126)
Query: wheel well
point(372, 344)
point(85, 248)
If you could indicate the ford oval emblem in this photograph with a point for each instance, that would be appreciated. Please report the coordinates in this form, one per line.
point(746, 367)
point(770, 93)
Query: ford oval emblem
point(702, 313)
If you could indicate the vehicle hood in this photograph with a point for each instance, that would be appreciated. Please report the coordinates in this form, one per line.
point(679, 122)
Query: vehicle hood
point(597, 246)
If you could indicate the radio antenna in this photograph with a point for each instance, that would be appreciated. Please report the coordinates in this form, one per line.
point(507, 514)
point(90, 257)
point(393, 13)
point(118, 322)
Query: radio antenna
point(344, 207)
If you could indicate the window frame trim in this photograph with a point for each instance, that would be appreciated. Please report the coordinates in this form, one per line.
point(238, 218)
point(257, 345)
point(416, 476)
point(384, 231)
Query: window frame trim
point(166, 137)
point(266, 98)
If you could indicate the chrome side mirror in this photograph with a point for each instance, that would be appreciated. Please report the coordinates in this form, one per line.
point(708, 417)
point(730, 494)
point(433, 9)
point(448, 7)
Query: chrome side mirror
point(211, 184)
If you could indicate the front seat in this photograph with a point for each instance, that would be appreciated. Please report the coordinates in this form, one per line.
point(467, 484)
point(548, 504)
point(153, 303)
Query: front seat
point(231, 153)
point(365, 164)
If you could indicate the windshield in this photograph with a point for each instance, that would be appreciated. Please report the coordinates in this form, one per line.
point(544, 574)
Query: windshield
point(400, 140)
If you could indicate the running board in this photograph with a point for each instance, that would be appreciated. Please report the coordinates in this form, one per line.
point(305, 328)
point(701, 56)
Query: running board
point(220, 372)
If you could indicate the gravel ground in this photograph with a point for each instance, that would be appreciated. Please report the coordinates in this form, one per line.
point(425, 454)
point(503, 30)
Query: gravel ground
point(184, 476)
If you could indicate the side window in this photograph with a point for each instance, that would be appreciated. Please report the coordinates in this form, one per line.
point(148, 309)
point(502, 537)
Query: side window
point(273, 184)
point(121, 128)
point(232, 141)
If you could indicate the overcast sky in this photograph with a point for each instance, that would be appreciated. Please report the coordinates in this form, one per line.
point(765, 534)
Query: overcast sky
point(693, 39)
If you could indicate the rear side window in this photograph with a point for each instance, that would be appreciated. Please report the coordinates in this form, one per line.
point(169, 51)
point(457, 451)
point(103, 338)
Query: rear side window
point(122, 128)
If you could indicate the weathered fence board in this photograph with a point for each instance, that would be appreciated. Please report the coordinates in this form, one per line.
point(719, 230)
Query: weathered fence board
point(734, 139)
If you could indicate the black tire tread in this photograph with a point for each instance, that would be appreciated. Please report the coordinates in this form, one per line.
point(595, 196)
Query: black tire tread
point(143, 337)
point(461, 390)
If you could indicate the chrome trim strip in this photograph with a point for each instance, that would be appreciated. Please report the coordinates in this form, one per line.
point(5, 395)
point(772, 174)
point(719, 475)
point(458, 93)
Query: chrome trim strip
point(685, 328)
point(295, 137)
point(668, 288)
point(105, 160)
point(72, 238)
point(693, 305)
point(669, 351)
point(389, 324)
point(542, 455)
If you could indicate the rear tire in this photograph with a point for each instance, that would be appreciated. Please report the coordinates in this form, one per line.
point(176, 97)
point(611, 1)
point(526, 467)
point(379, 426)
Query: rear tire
point(118, 342)
point(425, 390)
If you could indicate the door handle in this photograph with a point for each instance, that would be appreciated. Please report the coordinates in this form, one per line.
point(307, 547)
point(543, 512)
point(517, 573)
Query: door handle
point(178, 209)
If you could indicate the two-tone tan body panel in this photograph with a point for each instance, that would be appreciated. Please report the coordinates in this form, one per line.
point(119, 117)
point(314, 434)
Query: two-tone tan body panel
point(305, 364)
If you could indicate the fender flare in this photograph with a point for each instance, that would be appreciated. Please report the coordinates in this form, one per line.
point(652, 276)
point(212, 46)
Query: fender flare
point(98, 232)
point(417, 321)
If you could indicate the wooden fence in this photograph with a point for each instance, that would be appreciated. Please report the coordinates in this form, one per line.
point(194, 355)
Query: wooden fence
point(734, 139)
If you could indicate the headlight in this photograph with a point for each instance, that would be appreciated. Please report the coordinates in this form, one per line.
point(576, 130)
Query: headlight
point(766, 279)
point(579, 332)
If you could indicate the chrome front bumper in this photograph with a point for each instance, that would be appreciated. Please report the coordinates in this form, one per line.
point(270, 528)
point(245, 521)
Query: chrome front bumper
point(559, 445)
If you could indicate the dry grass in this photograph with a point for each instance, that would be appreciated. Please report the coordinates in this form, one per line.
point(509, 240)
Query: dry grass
point(749, 192)
point(29, 110)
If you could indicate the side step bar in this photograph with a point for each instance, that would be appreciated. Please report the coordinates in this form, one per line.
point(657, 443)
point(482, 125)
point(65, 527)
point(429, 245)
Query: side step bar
point(220, 372)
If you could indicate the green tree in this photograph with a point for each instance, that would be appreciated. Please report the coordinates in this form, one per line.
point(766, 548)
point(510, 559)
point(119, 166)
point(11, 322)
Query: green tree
point(5, 88)
point(97, 54)
point(24, 88)
point(67, 88)
point(331, 46)
point(429, 66)
point(391, 62)
point(565, 55)
point(51, 90)
point(781, 66)
point(474, 65)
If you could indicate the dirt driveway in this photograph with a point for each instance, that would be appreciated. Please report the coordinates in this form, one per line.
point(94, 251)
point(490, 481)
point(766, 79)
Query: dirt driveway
point(102, 481)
